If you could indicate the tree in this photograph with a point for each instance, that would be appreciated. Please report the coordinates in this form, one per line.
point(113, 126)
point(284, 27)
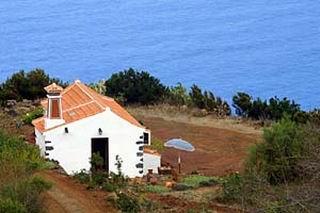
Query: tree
point(259, 110)
point(27, 85)
point(178, 95)
point(196, 97)
point(209, 102)
point(135, 87)
point(99, 87)
point(279, 107)
point(277, 156)
point(273, 109)
point(242, 102)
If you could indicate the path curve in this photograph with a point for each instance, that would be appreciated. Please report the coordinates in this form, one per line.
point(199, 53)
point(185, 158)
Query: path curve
point(68, 196)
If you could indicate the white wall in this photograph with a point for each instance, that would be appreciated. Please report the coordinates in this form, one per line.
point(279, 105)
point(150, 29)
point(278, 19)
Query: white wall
point(151, 162)
point(40, 141)
point(73, 149)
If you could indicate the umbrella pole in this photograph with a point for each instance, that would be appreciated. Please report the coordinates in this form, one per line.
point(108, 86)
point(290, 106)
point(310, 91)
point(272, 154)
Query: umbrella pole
point(179, 163)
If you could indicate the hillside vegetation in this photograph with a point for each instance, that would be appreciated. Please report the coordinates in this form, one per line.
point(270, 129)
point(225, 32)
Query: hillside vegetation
point(19, 188)
point(282, 172)
point(26, 85)
point(133, 87)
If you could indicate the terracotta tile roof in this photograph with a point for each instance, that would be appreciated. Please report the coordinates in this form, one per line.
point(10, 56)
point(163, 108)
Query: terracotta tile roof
point(39, 124)
point(80, 101)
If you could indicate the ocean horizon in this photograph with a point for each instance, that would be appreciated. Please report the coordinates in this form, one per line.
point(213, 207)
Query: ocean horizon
point(265, 48)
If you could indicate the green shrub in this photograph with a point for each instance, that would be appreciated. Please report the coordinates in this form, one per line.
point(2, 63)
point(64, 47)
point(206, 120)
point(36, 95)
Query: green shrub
point(198, 180)
point(82, 176)
point(99, 177)
point(157, 144)
point(39, 184)
point(19, 190)
point(118, 179)
point(232, 187)
point(147, 205)
point(277, 156)
point(96, 162)
point(91, 185)
point(281, 173)
point(207, 183)
point(109, 187)
point(10, 206)
point(17, 159)
point(30, 116)
point(156, 189)
point(26, 193)
point(49, 164)
point(127, 203)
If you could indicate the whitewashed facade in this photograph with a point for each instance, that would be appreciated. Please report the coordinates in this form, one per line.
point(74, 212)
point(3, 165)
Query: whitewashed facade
point(71, 143)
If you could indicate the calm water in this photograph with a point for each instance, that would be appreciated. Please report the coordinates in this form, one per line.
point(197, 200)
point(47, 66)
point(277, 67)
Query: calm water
point(264, 47)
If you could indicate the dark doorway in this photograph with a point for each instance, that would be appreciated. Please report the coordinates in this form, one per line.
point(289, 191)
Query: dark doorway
point(100, 146)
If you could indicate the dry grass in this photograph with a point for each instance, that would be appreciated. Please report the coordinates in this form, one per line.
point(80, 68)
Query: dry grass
point(185, 115)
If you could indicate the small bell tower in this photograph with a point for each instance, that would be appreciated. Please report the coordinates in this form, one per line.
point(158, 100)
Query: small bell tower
point(54, 109)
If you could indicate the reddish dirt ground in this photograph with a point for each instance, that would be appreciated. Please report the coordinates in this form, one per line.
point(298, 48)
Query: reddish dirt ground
point(67, 195)
point(218, 151)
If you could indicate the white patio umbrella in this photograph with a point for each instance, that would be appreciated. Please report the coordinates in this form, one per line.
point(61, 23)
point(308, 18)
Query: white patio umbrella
point(178, 143)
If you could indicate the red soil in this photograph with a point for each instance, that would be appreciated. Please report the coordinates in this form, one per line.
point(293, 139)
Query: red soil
point(218, 151)
point(67, 195)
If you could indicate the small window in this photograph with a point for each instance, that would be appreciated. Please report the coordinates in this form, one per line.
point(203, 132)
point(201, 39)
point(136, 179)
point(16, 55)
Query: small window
point(49, 148)
point(146, 138)
point(139, 165)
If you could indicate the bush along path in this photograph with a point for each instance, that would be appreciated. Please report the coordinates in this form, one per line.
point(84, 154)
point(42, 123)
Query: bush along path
point(282, 172)
point(20, 189)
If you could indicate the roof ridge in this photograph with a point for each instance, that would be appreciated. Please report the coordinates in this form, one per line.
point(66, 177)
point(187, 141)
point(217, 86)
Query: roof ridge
point(90, 96)
point(67, 89)
point(78, 106)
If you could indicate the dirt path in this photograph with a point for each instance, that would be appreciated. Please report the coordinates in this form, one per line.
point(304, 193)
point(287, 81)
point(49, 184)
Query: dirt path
point(67, 195)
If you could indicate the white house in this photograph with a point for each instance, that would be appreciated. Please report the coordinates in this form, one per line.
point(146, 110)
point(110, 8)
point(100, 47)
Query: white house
point(79, 122)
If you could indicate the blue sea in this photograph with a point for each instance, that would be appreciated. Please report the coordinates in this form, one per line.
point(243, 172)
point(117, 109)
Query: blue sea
point(263, 47)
